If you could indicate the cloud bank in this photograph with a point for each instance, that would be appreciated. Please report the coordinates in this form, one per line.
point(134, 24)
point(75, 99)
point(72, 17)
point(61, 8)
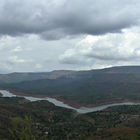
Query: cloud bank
point(68, 34)
point(110, 49)
point(56, 19)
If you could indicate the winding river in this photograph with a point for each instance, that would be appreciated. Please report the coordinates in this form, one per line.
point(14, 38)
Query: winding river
point(56, 102)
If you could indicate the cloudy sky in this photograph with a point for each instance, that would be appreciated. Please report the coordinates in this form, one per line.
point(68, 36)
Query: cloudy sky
point(49, 35)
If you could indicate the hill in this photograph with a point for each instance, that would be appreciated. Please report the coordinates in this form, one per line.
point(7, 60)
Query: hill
point(19, 77)
point(83, 87)
point(48, 122)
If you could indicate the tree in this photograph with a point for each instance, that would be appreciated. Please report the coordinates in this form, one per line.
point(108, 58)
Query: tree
point(22, 129)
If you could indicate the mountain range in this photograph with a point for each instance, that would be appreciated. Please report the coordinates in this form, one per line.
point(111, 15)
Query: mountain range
point(83, 87)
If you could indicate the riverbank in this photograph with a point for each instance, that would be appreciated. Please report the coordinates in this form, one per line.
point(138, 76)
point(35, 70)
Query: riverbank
point(58, 103)
point(72, 103)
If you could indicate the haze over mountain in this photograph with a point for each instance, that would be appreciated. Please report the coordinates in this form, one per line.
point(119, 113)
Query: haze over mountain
point(19, 77)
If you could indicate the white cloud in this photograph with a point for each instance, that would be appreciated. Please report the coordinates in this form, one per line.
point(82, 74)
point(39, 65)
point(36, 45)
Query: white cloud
point(110, 49)
point(17, 49)
point(84, 34)
point(16, 60)
point(38, 66)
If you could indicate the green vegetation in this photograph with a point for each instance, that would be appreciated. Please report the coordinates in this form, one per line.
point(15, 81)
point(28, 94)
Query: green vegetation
point(82, 87)
point(41, 120)
point(92, 89)
point(44, 120)
point(21, 129)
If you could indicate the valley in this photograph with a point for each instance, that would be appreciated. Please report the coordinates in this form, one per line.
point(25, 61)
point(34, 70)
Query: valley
point(75, 105)
point(79, 88)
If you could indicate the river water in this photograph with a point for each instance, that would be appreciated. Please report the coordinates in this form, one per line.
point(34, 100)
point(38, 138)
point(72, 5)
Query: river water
point(56, 102)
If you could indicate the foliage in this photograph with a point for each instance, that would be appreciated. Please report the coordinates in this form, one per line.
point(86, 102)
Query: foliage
point(21, 129)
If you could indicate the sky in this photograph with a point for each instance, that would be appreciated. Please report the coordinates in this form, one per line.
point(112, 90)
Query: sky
point(51, 35)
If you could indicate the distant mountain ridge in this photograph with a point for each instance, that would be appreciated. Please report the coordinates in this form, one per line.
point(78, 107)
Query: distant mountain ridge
point(19, 77)
point(122, 69)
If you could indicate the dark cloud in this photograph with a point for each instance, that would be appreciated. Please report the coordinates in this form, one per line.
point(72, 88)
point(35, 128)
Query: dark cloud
point(55, 19)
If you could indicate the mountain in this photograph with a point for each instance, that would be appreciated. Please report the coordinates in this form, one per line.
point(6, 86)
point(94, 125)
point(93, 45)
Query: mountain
point(19, 77)
point(85, 87)
point(43, 120)
point(122, 69)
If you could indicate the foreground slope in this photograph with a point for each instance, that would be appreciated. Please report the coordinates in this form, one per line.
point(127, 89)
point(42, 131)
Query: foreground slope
point(49, 122)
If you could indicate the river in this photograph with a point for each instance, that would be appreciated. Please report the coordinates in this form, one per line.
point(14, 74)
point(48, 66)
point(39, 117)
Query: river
point(56, 102)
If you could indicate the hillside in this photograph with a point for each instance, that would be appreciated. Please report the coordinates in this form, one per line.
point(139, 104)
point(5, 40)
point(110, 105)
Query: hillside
point(19, 77)
point(48, 122)
point(84, 87)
